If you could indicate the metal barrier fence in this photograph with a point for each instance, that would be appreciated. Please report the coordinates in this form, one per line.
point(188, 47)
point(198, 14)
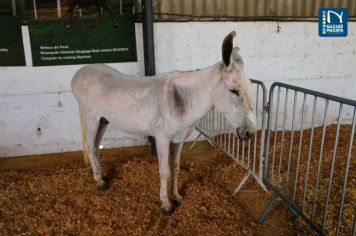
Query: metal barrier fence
point(309, 159)
point(248, 154)
point(310, 168)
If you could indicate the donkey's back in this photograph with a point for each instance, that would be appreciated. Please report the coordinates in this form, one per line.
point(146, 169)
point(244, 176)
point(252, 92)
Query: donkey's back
point(99, 78)
point(128, 102)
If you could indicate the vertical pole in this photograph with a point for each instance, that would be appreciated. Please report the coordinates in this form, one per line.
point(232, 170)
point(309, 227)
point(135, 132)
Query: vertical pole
point(263, 154)
point(275, 132)
point(13, 4)
point(309, 153)
point(346, 175)
point(299, 148)
point(35, 8)
point(148, 49)
point(255, 141)
point(59, 10)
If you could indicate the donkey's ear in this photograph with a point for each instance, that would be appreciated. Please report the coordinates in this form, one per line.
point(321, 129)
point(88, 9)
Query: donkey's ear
point(237, 57)
point(227, 48)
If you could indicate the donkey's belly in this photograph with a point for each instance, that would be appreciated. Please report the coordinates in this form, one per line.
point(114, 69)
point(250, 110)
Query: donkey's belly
point(129, 124)
point(134, 115)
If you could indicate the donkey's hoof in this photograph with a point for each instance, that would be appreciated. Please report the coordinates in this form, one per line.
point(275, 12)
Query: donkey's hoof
point(68, 26)
point(106, 178)
point(116, 25)
point(177, 201)
point(167, 211)
point(103, 186)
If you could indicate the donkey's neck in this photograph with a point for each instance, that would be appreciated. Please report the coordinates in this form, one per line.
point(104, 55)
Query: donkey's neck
point(193, 91)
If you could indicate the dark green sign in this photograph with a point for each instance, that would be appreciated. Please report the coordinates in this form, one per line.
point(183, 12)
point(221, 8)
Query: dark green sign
point(11, 45)
point(57, 40)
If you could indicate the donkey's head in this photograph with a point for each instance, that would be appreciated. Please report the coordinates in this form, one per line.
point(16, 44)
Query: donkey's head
point(233, 93)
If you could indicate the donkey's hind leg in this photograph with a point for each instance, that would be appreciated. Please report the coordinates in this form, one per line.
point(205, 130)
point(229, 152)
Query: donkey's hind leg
point(95, 130)
point(174, 164)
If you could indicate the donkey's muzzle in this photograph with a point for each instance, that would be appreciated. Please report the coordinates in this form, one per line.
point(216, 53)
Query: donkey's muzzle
point(244, 133)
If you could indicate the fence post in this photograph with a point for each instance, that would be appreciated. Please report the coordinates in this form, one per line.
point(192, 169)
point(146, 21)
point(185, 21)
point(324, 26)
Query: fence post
point(148, 49)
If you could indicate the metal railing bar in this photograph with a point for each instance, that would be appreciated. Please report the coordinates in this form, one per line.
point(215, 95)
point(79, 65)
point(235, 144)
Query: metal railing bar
point(290, 205)
point(332, 165)
point(315, 93)
point(229, 138)
point(209, 123)
point(291, 142)
point(223, 133)
point(248, 152)
point(216, 114)
point(265, 109)
point(267, 209)
point(255, 141)
point(220, 126)
point(243, 151)
point(233, 144)
point(266, 147)
point(283, 137)
point(346, 172)
point(309, 154)
point(213, 123)
point(275, 129)
point(320, 159)
point(299, 148)
point(238, 149)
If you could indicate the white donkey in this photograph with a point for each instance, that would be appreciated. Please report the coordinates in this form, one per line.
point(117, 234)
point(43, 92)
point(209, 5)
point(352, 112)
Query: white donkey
point(165, 106)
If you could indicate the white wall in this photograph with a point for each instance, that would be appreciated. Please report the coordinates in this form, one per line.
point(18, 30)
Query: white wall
point(40, 97)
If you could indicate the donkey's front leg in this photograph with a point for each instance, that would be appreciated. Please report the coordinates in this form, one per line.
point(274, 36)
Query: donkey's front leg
point(164, 171)
point(175, 163)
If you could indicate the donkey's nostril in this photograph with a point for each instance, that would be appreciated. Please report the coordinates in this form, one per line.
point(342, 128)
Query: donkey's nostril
point(243, 133)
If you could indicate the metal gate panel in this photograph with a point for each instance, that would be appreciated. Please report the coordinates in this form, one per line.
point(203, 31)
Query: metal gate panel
point(309, 157)
point(220, 133)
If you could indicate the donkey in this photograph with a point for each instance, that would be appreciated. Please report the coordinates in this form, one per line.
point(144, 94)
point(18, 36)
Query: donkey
point(86, 3)
point(165, 106)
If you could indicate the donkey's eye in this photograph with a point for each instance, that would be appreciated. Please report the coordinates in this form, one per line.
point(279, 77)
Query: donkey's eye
point(236, 93)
